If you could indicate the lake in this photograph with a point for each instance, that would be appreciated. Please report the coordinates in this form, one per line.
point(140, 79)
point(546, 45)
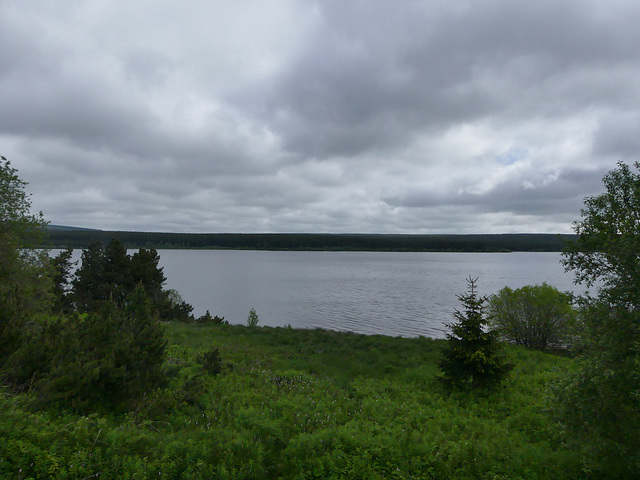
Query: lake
point(388, 293)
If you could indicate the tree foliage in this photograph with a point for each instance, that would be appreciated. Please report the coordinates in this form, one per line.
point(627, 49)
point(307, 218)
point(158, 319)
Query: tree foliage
point(252, 318)
point(534, 316)
point(106, 360)
point(602, 401)
point(62, 273)
point(110, 274)
point(472, 358)
point(25, 283)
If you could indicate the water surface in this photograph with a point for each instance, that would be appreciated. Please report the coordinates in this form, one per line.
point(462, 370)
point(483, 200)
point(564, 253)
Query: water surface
point(389, 293)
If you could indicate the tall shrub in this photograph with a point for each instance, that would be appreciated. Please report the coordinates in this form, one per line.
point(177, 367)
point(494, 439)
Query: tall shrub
point(107, 359)
point(534, 316)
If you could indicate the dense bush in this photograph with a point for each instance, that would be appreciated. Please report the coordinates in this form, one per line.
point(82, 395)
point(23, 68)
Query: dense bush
point(535, 316)
point(106, 360)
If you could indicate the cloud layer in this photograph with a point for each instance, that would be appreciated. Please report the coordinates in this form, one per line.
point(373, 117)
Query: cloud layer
point(486, 116)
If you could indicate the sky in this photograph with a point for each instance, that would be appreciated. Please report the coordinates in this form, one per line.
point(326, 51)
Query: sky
point(438, 116)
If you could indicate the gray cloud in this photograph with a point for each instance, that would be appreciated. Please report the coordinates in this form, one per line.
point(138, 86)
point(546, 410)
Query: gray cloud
point(484, 116)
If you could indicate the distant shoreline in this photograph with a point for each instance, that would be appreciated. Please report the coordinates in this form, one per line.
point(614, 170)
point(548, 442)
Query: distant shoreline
point(523, 242)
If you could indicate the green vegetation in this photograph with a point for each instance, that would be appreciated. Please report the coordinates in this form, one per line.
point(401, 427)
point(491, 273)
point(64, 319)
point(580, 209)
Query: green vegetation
point(252, 319)
point(293, 403)
point(601, 402)
point(313, 241)
point(110, 275)
point(94, 386)
point(25, 287)
point(534, 316)
point(89, 344)
point(472, 358)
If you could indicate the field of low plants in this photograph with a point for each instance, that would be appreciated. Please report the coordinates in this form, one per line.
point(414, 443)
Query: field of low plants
point(288, 403)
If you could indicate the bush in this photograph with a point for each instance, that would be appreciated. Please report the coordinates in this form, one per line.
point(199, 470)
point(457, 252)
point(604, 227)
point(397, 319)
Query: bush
point(106, 360)
point(174, 308)
point(537, 316)
point(210, 361)
point(252, 319)
point(207, 318)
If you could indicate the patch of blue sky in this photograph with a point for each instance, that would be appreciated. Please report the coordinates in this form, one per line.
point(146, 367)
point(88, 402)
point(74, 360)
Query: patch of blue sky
point(512, 156)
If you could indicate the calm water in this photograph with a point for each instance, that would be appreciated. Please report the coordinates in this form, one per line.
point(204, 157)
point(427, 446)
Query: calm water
point(406, 294)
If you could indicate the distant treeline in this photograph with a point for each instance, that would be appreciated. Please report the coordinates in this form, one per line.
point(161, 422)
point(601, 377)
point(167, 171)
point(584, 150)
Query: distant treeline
point(313, 241)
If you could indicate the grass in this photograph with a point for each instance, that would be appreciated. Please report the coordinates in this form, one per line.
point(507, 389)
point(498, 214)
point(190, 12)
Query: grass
point(302, 404)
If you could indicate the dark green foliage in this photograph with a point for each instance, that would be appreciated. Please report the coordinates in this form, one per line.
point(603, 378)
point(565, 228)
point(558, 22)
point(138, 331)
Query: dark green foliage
point(179, 312)
point(32, 358)
point(88, 285)
point(601, 402)
point(117, 278)
point(472, 357)
point(144, 270)
point(207, 318)
point(534, 316)
point(111, 275)
point(62, 264)
point(315, 241)
point(211, 361)
point(174, 308)
point(106, 360)
point(25, 276)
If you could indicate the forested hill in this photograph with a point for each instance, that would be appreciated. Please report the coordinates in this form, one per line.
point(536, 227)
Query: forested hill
point(312, 241)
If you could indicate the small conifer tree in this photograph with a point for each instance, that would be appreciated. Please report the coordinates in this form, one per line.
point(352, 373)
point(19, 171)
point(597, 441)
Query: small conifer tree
point(472, 356)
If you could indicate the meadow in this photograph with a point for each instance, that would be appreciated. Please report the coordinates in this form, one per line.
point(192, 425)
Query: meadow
point(289, 403)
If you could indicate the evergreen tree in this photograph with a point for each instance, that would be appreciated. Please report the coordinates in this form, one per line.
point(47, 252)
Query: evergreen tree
point(117, 276)
point(89, 290)
point(62, 265)
point(472, 356)
point(107, 360)
point(146, 272)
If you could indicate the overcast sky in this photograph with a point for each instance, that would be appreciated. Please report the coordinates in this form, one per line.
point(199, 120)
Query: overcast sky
point(430, 116)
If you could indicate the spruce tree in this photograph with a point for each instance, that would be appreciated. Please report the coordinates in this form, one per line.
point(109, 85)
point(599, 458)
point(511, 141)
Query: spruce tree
point(88, 285)
point(472, 358)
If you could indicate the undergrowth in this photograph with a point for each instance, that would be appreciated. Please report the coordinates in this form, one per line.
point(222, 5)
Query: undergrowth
point(287, 403)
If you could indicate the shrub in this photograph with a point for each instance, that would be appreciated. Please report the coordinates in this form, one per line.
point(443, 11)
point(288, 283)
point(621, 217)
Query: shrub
point(210, 361)
point(535, 316)
point(252, 319)
point(174, 308)
point(107, 359)
point(207, 318)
